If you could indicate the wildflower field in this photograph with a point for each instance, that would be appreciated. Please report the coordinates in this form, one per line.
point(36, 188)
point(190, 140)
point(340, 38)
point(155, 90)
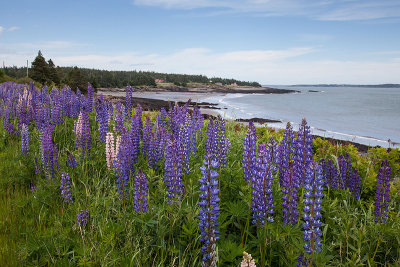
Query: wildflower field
point(86, 182)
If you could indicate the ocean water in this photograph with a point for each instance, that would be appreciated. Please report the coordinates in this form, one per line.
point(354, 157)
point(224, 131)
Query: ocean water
point(369, 116)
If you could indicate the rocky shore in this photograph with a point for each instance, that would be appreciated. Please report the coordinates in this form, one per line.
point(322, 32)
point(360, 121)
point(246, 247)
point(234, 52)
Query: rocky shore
point(208, 89)
point(156, 104)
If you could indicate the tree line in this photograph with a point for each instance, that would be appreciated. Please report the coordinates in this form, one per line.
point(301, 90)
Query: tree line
point(45, 72)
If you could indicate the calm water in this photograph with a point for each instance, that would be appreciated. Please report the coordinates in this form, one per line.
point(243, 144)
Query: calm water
point(366, 115)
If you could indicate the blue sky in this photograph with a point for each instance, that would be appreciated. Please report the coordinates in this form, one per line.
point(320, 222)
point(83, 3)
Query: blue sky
point(269, 41)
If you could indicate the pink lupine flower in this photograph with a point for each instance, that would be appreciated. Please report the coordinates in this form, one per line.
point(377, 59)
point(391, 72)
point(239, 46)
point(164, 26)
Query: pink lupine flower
point(247, 261)
point(110, 150)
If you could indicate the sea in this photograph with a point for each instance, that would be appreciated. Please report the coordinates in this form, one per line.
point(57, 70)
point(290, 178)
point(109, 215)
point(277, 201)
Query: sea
point(369, 116)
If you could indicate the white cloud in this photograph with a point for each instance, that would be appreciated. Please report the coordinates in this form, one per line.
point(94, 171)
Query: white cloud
point(13, 28)
point(265, 66)
point(363, 10)
point(288, 66)
point(339, 10)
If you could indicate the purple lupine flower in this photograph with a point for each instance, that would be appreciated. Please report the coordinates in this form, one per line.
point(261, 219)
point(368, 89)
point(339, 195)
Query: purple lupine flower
point(302, 260)
point(197, 122)
point(66, 188)
point(346, 171)
point(42, 116)
point(33, 187)
point(139, 123)
point(329, 173)
point(211, 143)
point(325, 170)
point(159, 145)
point(184, 144)
point(7, 119)
point(209, 210)
point(262, 200)
point(355, 184)
point(37, 167)
point(151, 150)
point(312, 199)
point(147, 136)
point(303, 154)
point(123, 164)
point(82, 218)
point(71, 161)
point(102, 117)
point(140, 195)
point(89, 100)
point(128, 102)
point(135, 137)
point(49, 152)
point(333, 179)
point(173, 171)
point(285, 152)
point(350, 179)
point(56, 107)
point(249, 153)
point(110, 108)
point(382, 193)
point(289, 199)
point(162, 119)
point(119, 117)
point(222, 142)
point(25, 140)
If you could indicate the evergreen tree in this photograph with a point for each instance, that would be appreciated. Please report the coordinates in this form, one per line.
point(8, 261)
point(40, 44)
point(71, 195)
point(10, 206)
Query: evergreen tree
point(40, 69)
point(53, 74)
point(76, 80)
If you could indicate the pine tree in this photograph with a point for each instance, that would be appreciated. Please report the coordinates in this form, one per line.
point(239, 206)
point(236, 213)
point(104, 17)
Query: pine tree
point(76, 80)
point(53, 74)
point(40, 69)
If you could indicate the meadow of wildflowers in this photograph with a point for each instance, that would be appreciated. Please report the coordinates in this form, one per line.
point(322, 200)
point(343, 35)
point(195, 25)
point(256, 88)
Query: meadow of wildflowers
point(87, 182)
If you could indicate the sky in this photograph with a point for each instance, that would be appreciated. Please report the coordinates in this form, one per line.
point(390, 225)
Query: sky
point(268, 41)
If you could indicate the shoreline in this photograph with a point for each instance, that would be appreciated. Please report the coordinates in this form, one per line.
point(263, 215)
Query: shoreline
point(211, 110)
point(206, 89)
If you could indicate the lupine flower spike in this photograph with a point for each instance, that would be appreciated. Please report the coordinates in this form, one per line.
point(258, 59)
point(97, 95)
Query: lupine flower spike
point(247, 260)
point(140, 195)
point(262, 200)
point(82, 218)
point(123, 164)
point(289, 199)
point(249, 153)
point(382, 193)
point(285, 152)
point(37, 167)
point(302, 260)
point(25, 140)
point(110, 150)
point(209, 211)
point(303, 154)
point(66, 188)
point(71, 161)
point(312, 200)
point(173, 171)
